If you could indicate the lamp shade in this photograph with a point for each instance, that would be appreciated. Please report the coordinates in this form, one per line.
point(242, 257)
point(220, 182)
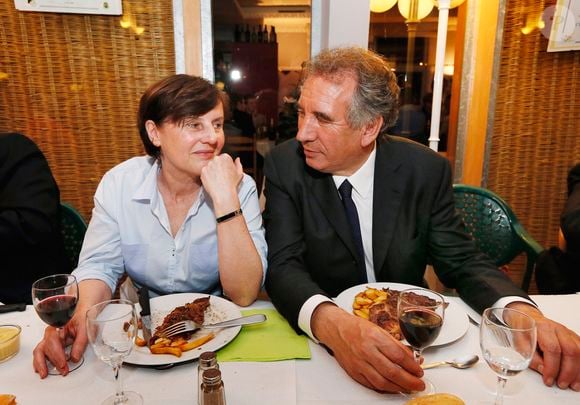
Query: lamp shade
point(454, 3)
point(415, 10)
point(380, 6)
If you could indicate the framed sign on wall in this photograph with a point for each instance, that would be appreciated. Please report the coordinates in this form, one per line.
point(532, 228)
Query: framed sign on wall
point(108, 7)
point(565, 31)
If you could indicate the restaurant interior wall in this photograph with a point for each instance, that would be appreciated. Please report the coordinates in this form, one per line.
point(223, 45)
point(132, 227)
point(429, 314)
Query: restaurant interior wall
point(72, 83)
point(534, 139)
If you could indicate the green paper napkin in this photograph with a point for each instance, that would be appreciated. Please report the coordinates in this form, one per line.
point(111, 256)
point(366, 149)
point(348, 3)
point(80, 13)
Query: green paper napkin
point(271, 340)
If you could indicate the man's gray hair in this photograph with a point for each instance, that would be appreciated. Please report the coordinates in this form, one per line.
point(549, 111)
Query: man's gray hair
point(376, 93)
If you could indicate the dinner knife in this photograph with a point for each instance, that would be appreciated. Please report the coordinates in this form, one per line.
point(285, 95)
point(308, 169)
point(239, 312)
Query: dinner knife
point(145, 314)
point(12, 307)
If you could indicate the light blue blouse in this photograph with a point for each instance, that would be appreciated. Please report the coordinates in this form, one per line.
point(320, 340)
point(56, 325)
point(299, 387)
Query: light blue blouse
point(129, 231)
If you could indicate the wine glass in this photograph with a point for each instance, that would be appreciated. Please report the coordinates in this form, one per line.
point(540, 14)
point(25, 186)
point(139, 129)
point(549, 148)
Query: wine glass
point(508, 342)
point(421, 313)
point(55, 299)
point(112, 329)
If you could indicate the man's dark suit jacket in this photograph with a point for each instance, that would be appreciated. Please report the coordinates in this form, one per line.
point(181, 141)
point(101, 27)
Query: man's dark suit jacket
point(311, 250)
point(31, 244)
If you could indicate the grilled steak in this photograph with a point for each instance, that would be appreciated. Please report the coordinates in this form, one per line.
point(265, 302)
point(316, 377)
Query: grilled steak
point(194, 311)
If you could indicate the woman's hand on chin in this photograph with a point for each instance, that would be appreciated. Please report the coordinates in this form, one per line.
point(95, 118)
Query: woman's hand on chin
point(220, 178)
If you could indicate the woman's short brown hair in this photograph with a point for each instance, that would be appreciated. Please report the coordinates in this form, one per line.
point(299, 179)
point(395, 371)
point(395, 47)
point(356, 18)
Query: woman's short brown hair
point(174, 99)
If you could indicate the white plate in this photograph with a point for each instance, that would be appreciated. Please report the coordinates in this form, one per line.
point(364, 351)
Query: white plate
point(219, 310)
point(455, 323)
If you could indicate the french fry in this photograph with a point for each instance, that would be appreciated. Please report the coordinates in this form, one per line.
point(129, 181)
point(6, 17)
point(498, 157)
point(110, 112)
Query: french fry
point(162, 341)
point(140, 342)
point(366, 299)
point(361, 314)
point(178, 342)
point(156, 349)
point(371, 293)
point(363, 301)
point(196, 343)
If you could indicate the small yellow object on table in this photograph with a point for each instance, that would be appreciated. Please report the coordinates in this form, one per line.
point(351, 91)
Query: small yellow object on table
point(7, 399)
point(436, 399)
point(9, 341)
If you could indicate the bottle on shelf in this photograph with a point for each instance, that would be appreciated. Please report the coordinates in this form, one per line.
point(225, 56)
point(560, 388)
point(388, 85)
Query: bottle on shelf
point(247, 35)
point(272, 132)
point(237, 34)
point(260, 34)
point(273, 36)
point(212, 388)
point(207, 361)
point(254, 37)
point(265, 37)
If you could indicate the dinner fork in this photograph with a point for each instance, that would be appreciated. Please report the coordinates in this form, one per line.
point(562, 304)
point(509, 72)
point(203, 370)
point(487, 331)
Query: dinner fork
point(188, 325)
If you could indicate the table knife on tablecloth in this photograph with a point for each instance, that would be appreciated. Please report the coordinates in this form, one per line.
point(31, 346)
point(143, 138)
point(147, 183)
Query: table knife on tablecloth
point(145, 314)
point(12, 307)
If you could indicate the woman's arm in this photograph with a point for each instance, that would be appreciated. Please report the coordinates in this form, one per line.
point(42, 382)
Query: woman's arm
point(240, 265)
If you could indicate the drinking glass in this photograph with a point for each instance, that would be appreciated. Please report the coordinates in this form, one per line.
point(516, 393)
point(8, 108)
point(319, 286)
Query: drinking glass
point(112, 329)
point(508, 341)
point(55, 299)
point(421, 313)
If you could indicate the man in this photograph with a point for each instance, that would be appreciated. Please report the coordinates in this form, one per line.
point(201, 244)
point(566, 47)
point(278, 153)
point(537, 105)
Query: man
point(403, 196)
point(31, 245)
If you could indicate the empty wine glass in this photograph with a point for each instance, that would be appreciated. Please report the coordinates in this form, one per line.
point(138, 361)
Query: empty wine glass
point(421, 313)
point(111, 329)
point(508, 341)
point(55, 299)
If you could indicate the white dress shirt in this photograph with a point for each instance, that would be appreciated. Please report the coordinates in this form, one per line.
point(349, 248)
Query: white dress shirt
point(363, 186)
point(130, 231)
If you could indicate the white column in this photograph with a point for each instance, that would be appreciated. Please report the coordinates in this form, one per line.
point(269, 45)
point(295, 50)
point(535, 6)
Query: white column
point(339, 23)
point(438, 79)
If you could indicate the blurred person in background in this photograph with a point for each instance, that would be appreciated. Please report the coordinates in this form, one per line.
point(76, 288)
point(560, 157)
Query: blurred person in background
point(558, 268)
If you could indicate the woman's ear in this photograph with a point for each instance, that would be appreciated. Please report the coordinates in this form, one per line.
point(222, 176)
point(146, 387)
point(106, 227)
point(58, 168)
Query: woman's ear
point(153, 133)
point(371, 131)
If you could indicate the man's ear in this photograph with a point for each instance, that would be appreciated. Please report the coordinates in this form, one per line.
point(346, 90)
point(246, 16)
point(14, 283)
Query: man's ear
point(371, 131)
point(153, 133)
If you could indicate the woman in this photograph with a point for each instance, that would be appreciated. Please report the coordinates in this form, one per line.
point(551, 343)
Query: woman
point(183, 219)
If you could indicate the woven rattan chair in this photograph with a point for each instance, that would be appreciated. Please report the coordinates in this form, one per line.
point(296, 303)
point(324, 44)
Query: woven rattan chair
point(73, 228)
point(495, 228)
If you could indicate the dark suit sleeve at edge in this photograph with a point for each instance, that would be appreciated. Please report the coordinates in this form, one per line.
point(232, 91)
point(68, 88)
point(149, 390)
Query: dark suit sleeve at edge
point(29, 198)
point(456, 259)
point(288, 281)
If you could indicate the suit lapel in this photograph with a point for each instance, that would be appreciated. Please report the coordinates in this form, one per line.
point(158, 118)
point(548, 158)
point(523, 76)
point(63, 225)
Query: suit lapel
point(325, 192)
point(389, 186)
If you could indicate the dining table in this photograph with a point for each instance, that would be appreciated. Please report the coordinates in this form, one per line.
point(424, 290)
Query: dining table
point(315, 381)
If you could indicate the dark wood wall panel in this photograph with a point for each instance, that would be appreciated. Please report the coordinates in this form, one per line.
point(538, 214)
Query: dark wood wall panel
point(72, 83)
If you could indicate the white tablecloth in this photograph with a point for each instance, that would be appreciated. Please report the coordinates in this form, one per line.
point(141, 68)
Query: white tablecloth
point(317, 381)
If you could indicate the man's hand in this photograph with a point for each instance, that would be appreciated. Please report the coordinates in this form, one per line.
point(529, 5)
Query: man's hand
point(366, 352)
point(52, 345)
point(558, 353)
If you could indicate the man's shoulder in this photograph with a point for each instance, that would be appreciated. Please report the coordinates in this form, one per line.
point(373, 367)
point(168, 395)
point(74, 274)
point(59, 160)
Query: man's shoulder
point(409, 153)
point(12, 141)
point(287, 154)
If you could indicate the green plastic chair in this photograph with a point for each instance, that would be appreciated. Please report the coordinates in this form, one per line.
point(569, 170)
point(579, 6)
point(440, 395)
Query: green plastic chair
point(73, 228)
point(495, 228)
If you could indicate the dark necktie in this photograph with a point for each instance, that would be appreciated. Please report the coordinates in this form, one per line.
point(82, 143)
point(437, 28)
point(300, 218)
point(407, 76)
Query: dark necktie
point(345, 191)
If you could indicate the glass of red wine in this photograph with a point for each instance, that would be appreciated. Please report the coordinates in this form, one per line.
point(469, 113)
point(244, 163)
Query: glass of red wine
point(421, 314)
point(55, 299)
